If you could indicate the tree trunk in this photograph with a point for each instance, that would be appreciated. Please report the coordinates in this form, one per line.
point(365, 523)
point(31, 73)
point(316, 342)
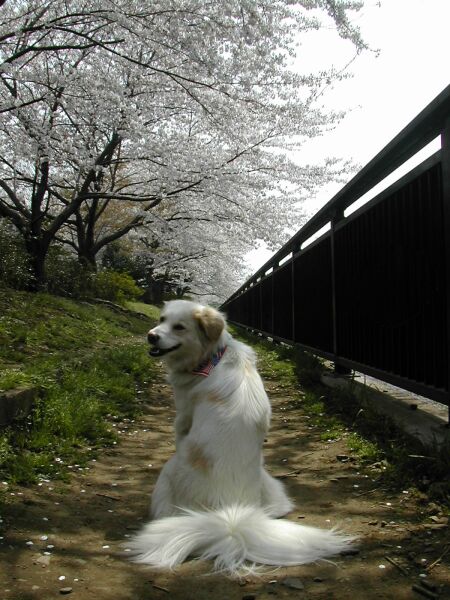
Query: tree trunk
point(37, 252)
point(87, 260)
point(154, 293)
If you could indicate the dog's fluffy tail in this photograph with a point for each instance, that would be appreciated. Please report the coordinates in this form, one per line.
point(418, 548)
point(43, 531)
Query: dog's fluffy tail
point(236, 537)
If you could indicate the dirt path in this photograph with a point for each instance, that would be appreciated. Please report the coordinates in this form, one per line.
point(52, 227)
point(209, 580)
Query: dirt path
point(77, 529)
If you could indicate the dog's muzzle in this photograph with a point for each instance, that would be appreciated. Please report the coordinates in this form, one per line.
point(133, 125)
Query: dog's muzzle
point(155, 351)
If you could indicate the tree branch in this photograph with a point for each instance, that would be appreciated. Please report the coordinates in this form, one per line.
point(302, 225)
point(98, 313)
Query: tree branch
point(102, 160)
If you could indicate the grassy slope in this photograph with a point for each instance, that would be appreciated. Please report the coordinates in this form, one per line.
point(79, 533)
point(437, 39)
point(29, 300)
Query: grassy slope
point(86, 360)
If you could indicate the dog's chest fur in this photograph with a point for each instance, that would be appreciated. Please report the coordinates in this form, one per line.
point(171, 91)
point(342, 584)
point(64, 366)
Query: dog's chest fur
point(228, 407)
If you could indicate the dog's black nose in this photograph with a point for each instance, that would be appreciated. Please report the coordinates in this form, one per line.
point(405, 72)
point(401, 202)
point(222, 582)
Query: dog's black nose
point(152, 337)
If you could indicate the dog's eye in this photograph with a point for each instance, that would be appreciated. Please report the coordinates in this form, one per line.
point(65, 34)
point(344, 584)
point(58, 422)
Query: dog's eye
point(179, 327)
point(162, 319)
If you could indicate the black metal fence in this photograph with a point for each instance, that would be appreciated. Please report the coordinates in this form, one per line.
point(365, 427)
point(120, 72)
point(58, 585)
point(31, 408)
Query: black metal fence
point(372, 293)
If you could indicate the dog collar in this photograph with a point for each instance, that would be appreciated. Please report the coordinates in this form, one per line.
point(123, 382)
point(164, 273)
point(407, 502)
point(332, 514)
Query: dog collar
point(205, 368)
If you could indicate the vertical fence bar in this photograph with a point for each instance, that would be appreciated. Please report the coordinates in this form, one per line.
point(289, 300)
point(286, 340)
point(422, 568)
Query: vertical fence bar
point(293, 296)
point(272, 279)
point(445, 165)
point(261, 300)
point(333, 286)
point(338, 368)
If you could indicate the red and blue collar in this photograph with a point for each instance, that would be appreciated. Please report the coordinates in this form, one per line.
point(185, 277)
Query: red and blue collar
point(204, 369)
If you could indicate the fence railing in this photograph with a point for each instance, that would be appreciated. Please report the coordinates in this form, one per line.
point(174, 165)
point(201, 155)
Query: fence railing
point(372, 293)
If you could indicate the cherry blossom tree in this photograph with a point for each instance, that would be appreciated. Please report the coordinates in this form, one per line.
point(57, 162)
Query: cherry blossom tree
point(205, 242)
point(177, 109)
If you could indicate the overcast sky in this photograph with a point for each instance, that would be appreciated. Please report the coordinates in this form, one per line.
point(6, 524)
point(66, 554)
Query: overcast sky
point(386, 91)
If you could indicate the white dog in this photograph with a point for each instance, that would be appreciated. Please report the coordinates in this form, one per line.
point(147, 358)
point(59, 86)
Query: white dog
point(214, 498)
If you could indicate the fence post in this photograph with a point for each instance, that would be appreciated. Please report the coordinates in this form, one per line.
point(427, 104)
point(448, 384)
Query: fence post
point(293, 297)
point(339, 369)
point(274, 266)
point(445, 164)
point(260, 316)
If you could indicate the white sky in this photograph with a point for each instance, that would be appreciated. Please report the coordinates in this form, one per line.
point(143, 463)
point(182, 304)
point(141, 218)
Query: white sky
point(386, 92)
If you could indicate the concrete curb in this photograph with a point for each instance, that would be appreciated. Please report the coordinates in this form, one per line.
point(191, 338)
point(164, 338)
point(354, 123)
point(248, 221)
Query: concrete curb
point(423, 420)
point(16, 404)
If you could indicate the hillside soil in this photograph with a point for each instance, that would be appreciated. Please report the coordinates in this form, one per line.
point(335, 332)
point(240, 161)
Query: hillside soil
point(70, 538)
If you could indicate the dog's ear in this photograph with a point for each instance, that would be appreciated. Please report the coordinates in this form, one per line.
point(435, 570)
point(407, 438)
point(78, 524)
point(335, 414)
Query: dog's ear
point(211, 322)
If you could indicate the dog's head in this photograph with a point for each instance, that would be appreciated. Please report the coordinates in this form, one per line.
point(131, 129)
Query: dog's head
point(186, 335)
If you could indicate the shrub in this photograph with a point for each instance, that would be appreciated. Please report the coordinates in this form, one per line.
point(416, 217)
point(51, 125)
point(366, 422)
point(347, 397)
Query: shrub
point(116, 287)
point(65, 275)
point(14, 267)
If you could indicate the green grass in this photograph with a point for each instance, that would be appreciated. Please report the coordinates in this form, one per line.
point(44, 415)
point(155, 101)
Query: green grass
point(87, 362)
point(146, 309)
point(39, 332)
point(367, 451)
point(275, 362)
